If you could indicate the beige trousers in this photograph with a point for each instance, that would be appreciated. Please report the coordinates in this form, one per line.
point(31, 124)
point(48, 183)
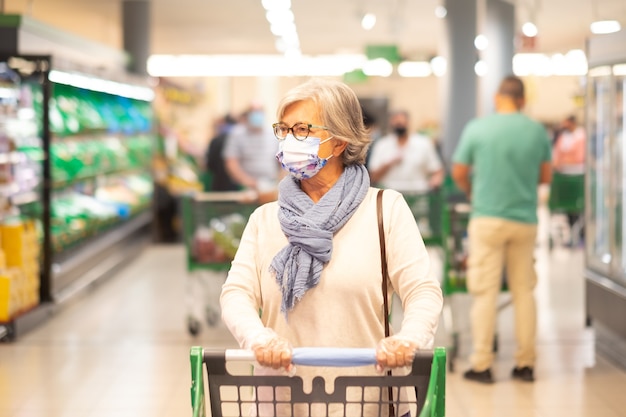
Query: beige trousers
point(496, 244)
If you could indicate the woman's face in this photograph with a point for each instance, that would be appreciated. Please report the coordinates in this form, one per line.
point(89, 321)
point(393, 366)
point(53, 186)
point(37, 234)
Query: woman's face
point(307, 112)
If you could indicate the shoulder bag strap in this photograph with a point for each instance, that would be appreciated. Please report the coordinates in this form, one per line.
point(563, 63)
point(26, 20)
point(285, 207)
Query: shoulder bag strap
point(383, 257)
point(383, 263)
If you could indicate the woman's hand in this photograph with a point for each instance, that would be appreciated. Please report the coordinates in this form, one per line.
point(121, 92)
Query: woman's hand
point(274, 353)
point(394, 352)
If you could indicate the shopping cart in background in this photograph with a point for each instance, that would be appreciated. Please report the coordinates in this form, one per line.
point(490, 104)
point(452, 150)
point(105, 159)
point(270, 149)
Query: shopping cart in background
point(232, 394)
point(455, 221)
point(213, 223)
point(567, 197)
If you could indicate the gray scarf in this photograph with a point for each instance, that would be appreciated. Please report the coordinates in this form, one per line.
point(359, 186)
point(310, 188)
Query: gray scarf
point(310, 227)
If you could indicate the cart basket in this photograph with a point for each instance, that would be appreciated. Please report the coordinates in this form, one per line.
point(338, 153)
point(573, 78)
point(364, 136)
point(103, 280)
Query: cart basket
point(427, 378)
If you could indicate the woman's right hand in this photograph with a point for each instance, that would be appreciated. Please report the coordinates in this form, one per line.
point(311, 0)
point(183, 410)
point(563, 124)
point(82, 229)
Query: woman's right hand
point(274, 353)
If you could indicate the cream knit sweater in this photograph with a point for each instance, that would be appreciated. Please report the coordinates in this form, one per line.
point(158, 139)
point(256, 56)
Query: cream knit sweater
point(346, 308)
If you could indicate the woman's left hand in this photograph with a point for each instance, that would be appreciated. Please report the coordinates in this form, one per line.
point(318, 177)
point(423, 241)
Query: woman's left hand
point(394, 352)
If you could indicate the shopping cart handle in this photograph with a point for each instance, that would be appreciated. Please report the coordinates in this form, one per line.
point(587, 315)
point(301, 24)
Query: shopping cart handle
point(318, 356)
point(334, 356)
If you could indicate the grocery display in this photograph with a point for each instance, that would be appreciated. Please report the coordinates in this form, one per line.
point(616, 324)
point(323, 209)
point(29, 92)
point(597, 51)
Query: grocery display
point(101, 153)
point(89, 199)
point(21, 182)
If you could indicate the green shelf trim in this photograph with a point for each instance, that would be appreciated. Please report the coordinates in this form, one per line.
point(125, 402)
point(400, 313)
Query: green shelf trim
point(10, 20)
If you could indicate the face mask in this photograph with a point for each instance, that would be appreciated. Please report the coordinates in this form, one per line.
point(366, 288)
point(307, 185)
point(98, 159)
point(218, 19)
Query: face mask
point(256, 118)
point(399, 130)
point(300, 158)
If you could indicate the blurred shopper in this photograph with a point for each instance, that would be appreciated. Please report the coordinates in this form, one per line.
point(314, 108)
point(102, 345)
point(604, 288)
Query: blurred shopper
point(296, 261)
point(499, 162)
point(249, 152)
point(403, 161)
point(568, 158)
point(220, 180)
point(569, 149)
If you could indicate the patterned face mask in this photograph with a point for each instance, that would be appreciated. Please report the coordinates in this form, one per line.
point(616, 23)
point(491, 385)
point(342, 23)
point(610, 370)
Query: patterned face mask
point(300, 158)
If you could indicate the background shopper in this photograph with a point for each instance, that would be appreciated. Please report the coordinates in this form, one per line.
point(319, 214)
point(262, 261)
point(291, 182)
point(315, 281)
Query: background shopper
point(499, 162)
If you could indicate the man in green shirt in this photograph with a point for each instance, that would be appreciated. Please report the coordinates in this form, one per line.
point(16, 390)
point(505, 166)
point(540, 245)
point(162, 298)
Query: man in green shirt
point(499, 162)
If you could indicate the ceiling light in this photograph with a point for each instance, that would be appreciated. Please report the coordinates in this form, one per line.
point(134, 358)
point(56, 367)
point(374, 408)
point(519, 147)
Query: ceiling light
point(439, 65)
point(379, 66)
point(441, 12)
point(529, 29)
point(414, 69)
point(253, 65)
point(276, 4)
point(605, 26)
point(481, 42)
point(368, 21)
point(480, 68)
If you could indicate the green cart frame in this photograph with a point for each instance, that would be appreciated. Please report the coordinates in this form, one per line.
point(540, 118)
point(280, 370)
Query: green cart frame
point(427, 210)
point(227, 398)
point(567, 196)
point(212, 225)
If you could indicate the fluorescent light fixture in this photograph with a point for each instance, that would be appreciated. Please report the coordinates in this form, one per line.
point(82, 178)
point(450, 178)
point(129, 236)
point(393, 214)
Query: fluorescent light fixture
point(531, 64)
point(282, 25)
point(529, 29)
point(480, 68)
point(414, 69)
point(378, 67)
point(100, 85)
point(277, 17)
point(276, 4)
point(441, 12)
point(603, 71)
point(481, 42)
point(253, 65)
point(601, 27)
point(369, 21)
point(572, 63)
point(439, 66)
point(619, 69)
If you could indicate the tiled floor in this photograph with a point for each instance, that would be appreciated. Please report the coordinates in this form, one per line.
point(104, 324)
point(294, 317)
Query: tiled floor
point(123, 348)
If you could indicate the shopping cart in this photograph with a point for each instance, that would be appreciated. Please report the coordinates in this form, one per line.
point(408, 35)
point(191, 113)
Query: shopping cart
point(234, 395)
point(427, 208)
point(456, 216)
point(567, 196)
point(212, 226)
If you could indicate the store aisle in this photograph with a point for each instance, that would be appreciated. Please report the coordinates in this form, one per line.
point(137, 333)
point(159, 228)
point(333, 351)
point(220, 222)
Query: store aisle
point(122, 350)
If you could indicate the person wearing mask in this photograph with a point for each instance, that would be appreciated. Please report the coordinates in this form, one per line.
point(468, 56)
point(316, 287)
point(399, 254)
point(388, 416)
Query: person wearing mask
point(403, 161)
point(249, 152)
point(220, 180)
point(296, 260)
point(499, 162)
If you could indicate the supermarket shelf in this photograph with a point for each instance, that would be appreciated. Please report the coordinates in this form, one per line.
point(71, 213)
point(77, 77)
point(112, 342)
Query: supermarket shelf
point(25, 322)
point(77, 269)
point(17, 157)
point(25, 198)
point(58, 185)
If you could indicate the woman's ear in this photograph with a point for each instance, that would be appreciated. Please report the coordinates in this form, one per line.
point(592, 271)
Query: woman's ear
point(339, 146)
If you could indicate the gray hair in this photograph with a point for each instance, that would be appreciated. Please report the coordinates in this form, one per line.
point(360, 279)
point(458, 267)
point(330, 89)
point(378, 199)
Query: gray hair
point(340, 111)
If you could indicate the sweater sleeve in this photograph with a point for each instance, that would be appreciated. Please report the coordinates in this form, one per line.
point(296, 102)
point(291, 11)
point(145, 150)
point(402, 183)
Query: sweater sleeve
point(410, 272)
point(240, 299)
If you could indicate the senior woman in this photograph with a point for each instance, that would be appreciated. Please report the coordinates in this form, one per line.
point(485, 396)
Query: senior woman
point(310, 262)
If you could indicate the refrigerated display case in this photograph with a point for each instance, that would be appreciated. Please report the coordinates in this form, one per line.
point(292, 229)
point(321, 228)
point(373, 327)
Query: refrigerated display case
point(605, 268)
point(82, 140)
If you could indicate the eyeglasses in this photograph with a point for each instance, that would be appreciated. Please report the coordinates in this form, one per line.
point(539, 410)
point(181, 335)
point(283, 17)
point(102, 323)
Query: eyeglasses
point(300, 130)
